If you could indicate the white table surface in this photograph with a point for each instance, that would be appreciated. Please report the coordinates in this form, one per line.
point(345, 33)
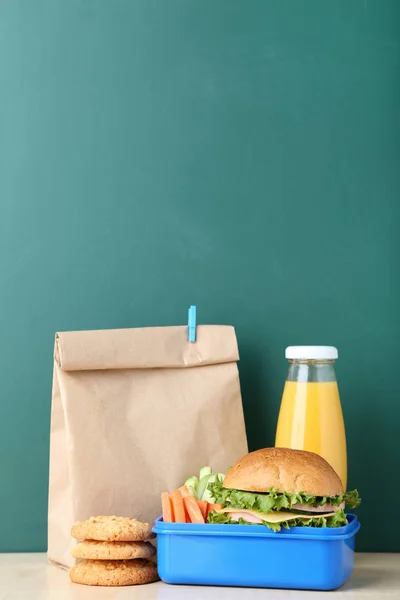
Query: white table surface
point(31, 577)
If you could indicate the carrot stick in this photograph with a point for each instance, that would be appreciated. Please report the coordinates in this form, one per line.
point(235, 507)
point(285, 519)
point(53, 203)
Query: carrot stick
point(214, 506)
point(202, 504)
point(193, 509)
point(179, 510)
point(184, 490)
point(167, 509)
point(187, 518)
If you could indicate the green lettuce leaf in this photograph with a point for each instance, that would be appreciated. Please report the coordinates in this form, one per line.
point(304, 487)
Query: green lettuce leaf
point(220, 493)
point(274, 499)
point(352, 499)
point(338, 520)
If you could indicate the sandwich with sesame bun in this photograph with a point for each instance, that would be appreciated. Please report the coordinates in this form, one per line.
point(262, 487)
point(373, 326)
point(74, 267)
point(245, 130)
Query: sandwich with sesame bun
point(281, 487)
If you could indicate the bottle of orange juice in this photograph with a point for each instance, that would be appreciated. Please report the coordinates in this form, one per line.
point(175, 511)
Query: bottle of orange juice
point(310, 416)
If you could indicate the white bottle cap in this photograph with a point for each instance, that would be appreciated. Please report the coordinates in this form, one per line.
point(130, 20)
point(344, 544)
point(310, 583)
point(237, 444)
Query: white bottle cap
point(311, 352)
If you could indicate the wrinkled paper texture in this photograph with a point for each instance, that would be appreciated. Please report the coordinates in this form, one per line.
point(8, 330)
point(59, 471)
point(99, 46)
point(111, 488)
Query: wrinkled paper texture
point(134, 413)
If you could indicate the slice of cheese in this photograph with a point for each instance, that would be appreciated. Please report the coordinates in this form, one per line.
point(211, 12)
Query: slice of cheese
point(273, 516)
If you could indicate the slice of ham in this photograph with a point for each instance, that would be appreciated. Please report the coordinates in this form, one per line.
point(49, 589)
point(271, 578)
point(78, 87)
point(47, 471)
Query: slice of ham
point(235, 516)
point(317, 509)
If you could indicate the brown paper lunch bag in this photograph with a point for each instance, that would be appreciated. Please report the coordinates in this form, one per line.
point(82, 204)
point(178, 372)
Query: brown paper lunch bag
point(134, 413)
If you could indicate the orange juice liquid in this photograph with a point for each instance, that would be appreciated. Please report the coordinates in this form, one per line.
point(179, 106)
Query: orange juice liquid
point(311, 419)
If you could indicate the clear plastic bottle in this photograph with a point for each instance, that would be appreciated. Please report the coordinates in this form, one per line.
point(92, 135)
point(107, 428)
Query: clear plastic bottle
point(310, 416)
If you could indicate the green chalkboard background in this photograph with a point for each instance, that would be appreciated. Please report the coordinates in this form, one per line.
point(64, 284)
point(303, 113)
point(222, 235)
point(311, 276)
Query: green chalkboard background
point(239, 155)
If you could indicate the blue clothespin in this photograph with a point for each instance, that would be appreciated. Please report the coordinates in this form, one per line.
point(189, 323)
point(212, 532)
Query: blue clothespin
point(192, 324)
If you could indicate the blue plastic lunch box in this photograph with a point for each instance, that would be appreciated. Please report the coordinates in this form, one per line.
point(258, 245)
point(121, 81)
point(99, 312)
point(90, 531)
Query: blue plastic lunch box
point(255, 556)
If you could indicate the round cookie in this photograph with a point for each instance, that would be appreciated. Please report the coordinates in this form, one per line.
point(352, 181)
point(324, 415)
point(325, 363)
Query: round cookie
point(114, 572)
point(96, 550)
point(111, 529)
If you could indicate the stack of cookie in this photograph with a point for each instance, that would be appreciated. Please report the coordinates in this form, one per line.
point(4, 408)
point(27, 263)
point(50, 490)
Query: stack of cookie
point(114, 552)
